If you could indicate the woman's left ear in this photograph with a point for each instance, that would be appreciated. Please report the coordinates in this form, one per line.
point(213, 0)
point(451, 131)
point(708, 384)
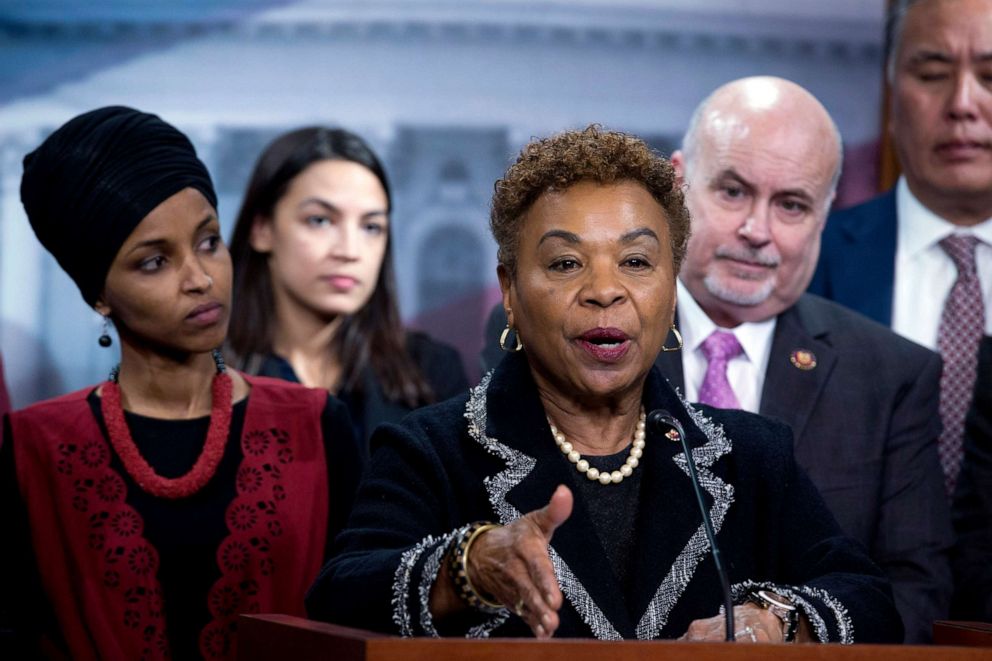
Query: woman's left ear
point(261, 235)
point(101, 308)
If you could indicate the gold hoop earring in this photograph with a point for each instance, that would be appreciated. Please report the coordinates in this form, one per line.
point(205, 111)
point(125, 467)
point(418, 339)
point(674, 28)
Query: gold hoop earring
point(678, 338)
point(517, 344)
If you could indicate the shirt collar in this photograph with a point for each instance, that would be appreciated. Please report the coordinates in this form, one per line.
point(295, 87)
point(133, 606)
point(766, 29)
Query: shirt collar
point(695, 326)
point(921, 229)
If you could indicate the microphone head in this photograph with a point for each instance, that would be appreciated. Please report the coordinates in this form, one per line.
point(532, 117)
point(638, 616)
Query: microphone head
point(662, 422)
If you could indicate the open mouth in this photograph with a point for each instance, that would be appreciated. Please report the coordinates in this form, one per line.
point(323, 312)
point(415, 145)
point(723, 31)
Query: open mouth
point(605, 344)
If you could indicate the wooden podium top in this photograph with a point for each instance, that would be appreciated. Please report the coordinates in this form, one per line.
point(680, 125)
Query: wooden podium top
point(285, 637)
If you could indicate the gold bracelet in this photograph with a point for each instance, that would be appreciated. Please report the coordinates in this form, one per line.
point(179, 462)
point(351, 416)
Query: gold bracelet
point(458, 565)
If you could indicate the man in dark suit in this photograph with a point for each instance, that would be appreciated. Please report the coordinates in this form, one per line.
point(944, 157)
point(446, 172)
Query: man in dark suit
point(972, 557)
point(760, 162)
point(919, 258)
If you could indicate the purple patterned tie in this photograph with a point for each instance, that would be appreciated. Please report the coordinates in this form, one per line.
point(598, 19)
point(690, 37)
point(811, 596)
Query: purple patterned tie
point(961, 326)
point(719, 348)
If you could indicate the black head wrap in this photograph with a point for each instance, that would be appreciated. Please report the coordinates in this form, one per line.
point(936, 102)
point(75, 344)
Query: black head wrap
point(91, 182)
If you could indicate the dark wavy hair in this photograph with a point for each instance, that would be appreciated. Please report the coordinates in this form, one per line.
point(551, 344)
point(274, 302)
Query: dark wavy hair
point(592, 154)
point(372, 336)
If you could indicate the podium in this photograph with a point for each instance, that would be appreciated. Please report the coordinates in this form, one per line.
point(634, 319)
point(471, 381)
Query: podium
point(972, 634)
point(284, 637)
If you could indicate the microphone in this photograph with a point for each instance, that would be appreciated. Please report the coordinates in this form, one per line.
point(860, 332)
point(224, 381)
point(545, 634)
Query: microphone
point(664, 423)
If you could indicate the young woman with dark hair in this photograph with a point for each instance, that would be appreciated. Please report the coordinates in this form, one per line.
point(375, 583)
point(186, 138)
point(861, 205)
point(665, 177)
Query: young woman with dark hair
point(142, 515)
point(315, 293)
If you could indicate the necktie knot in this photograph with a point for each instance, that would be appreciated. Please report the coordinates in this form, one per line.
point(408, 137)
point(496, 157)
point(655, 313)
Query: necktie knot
point(716, 390)
point(961, 249)
point(721, 346)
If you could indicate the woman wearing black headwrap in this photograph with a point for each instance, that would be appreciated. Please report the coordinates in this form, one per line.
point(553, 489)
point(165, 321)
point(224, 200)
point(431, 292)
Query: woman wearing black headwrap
point(144, 514)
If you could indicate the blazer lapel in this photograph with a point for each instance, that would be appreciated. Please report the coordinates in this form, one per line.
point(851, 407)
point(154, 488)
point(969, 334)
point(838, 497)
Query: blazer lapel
point(670, 541)
point(663, 531)
point(517, 420)
point(799, 366)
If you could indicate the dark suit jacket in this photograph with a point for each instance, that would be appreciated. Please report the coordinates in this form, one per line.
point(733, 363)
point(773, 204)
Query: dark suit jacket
point(972, 560)
point(490, 455)
point(866, 425)
point(858, 258)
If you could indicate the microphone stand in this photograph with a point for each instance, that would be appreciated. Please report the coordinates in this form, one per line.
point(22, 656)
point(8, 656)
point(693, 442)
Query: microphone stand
point(666, 424)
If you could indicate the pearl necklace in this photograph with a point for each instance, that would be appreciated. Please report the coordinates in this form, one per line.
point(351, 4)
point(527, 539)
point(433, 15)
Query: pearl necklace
point(615, 477)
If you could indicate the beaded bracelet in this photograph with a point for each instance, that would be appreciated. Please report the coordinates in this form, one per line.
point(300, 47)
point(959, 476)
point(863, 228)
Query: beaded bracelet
point(458, 566)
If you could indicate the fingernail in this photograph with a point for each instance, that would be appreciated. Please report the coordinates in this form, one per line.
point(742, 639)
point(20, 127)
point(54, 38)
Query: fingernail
point(540, 633)
point(549, 599)
point(546, 618)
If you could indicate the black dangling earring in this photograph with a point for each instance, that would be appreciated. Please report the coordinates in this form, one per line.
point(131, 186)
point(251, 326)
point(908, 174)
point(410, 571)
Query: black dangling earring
point(218, 357)
point(105, 339)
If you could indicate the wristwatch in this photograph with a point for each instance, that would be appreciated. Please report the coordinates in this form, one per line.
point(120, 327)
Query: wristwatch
point(781, 608)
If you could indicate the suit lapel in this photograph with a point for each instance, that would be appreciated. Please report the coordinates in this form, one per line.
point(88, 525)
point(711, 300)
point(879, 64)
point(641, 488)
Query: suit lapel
point(791, 391)
point(864, 279)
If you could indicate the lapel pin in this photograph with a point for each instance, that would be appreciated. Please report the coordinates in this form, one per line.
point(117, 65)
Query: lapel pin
point(803, 359)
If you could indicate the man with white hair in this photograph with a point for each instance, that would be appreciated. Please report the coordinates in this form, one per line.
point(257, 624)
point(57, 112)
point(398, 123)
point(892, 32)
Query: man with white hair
point(760, 163)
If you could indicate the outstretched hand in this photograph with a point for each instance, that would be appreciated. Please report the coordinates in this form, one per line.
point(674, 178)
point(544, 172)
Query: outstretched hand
point(512, 564)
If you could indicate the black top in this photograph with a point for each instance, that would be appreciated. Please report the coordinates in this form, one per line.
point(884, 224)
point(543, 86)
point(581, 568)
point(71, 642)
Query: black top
point(186, 532)
point(490, 456)
point(440, 365)
point(612, 508)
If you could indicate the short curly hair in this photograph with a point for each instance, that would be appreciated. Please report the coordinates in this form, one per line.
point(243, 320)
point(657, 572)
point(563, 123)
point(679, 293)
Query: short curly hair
point(592, 154)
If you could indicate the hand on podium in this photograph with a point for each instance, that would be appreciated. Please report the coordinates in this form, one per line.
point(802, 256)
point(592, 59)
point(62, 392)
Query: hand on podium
point(752, 624)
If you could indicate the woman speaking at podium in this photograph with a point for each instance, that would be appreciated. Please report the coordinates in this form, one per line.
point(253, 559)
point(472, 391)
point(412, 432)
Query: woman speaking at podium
point(541, 503)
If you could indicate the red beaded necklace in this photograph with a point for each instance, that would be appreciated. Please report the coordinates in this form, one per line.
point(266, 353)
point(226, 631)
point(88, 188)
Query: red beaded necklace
point(206, 464)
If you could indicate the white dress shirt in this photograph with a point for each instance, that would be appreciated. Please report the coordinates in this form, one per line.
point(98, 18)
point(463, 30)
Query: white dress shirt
point(924, 273)
point(745, 372)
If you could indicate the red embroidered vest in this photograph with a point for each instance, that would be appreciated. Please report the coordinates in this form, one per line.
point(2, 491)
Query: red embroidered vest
point(100, 573)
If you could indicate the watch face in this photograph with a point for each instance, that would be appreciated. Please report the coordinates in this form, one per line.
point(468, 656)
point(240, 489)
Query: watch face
point(781, 609)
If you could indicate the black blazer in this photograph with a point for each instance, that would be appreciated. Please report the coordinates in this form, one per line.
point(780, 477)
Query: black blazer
point(866, 424)
point(439, 363)
point(973, 503)
point(490, 456)
point(857, 266)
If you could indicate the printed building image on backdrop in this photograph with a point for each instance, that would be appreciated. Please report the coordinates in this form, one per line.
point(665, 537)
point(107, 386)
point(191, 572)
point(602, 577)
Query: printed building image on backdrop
point(447, 91)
